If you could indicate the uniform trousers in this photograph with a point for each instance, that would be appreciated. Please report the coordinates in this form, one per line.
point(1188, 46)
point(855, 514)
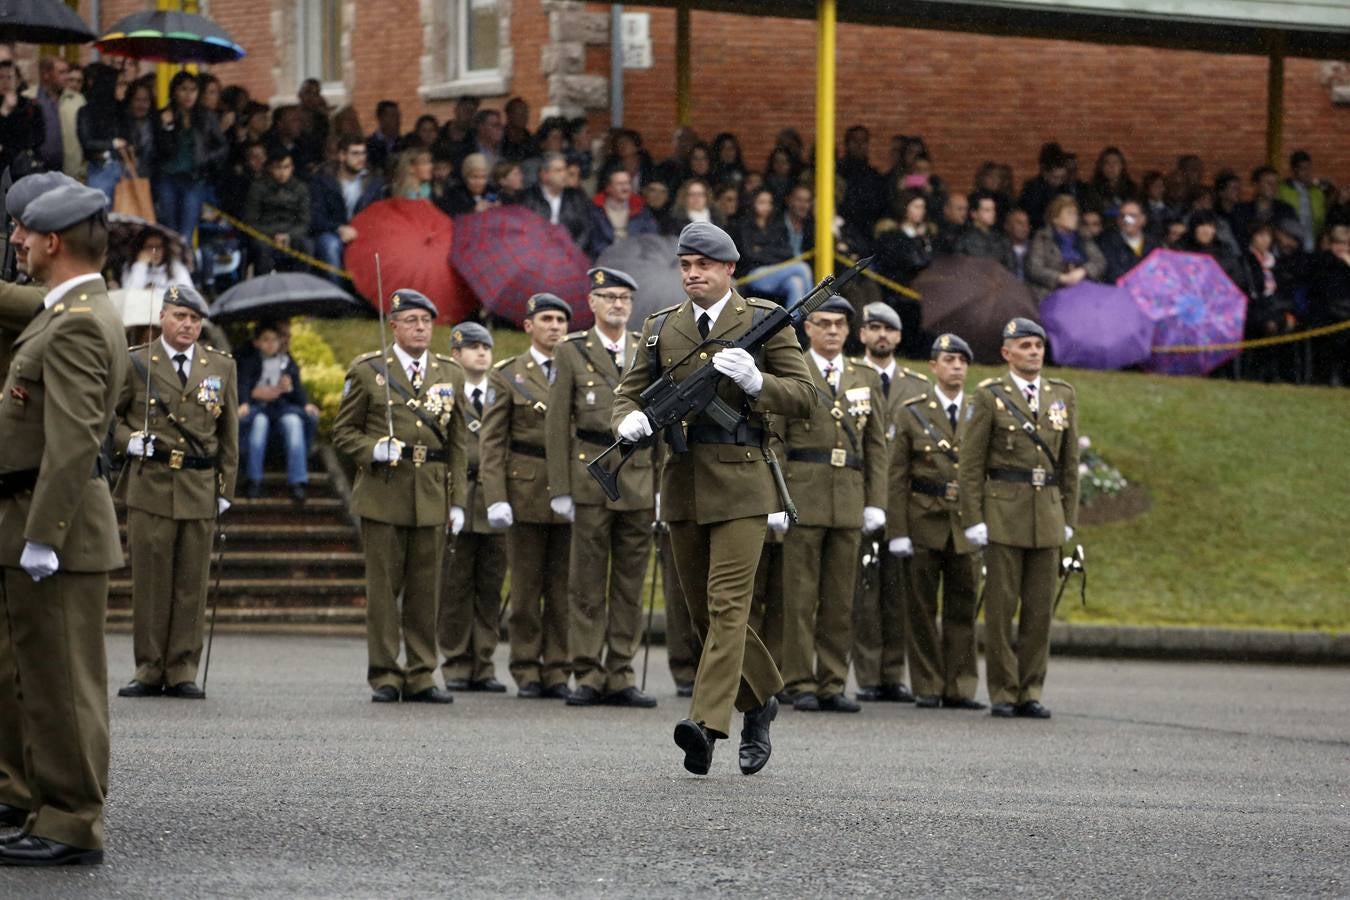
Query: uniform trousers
point(170, 571)
point(607, 565)
point(403, 568)
point(943, 664)
point(538, 556)
point(469, 619)
point(879, 617)
point(1013, 573)
point(819, 567)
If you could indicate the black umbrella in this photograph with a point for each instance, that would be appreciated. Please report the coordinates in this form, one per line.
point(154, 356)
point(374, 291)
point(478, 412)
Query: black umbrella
point(168, 36)
point(281, 295)
point(42, 22)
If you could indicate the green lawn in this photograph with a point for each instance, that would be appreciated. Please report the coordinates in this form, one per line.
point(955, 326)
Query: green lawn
point(1249, 486)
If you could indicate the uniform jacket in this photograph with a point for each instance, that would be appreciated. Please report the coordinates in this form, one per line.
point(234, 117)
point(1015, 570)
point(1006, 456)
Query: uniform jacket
point(476, 507)
point(718, 482)
point(517, 417)
point(407, 494)
point(925, 519)
point(56, 409)
point(18, 305)
point(849, 422)
point(207, 408)
point(1019, 515)
point(580, 400)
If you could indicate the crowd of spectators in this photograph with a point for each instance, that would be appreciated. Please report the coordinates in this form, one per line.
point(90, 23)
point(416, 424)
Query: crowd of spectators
point(299, 173)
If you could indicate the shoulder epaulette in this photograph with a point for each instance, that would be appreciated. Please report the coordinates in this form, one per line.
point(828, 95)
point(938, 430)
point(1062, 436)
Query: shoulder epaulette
point(444, 357)
point(1060, 381)
point(635, 334)
point(988, 381)
point(857, 360)
point(137, 347)
point(503, 363)
point(667, 310)
point(912, 374)
point(225, 353)
point(762, 304)
point(366, 356)
point(918, 398)
point(575, 336)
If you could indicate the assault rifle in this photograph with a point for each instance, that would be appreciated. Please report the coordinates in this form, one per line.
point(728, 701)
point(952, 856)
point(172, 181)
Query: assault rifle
point(667, 402)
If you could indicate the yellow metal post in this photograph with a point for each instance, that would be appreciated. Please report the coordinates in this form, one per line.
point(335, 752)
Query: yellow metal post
point(825, 59)
point(683, 87)
point(1275, 101)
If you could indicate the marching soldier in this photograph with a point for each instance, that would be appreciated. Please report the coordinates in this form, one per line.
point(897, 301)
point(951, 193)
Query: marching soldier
point(611, 539)
point(471, 592)
point(20, 302)
point(836, 468)
point(1019, 500)
point(58, 539)
point(883, 588)
point(717, 496)
point(514, 474)
point(925, 528)
point(182, 454)
point(410, 486)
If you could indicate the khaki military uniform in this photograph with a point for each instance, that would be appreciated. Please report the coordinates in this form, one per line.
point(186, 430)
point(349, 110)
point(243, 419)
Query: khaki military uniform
point(611, 539)
point(18, 304)
point(514, 470)
point(999, 473)
point(880, 601)
point(56, 409)
point(404, 509)
point(716, 498)
point(836, 464)
point(923, 507)
point(475, 569)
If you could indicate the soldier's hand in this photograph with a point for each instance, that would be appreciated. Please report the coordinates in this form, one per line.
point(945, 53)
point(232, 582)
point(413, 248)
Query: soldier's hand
point(874, 517)
point(1068, 534)
point(901, 547)
point(141, 446)
point(635, 426)
point(456, 519)
point(978, 534)
point(499, 515)
point(563, 508)
point(39, 560)
point(387, 449)
point(221, 505)
point(739, 366)
point(779, 522)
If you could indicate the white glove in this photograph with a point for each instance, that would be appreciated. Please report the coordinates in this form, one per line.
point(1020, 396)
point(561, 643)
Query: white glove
point(901, 547)
point(39, 560)
point(141, 445)
point(387, 449)
point(456, 519)
point(779, 522)
point(499, 515)
point(978, 534)
point(221, 505)
point(656, 514)
point(739, 366)
point(563, 508)
point(1068, 534)
point(874, 517)
point(635, 426)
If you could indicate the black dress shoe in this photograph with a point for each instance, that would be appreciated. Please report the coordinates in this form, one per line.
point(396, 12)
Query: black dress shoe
point(458, 684)
point(631, 696)
point(806, 702)
point(1002, 711)
point(584, 695)
point(558, 692)
point(531, 690)
point(927, 701)
point(140, 689)
point(961, 703)
point(185, 690)
point(839, 703)
point(36, 851)
point(12, 816)
point(432, 694)
point(12, 837)
point(897, 693)
point(755, 747)
point(697, 744)
point(684, 689)
point(488, 685)
point(1032, 709)
point(869, 694)
point(385, 693)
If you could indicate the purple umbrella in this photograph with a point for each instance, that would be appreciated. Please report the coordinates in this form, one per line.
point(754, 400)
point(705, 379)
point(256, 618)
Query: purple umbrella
point(1096, 326)
point(1192, 303)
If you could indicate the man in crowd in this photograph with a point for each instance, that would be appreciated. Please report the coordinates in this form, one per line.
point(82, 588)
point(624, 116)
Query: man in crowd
point(1018, 228)
point(381, 144)
point(68, 109)
point(924, 526)
point(717, 496)
point(182, 450)
point(485, 139)
point(1265, 207)
point(335, 199)
point(982, 238)
point(1128, 243)
point(864, 191)
point(287, 134)
point(616, 214)
point(1050, 182)
point(955, 219)
point(410, 456)
point(517, 141)
point(47, 95)
point(273, 397)
point(514, 474)
point(22, 125)
point(800, 221)
point(560, 204)
point(58, 539)
point(611, 539)
point(471, 590)
point(1018, 492)
point(836, 465)
point(278, 205)
point(1301, 192)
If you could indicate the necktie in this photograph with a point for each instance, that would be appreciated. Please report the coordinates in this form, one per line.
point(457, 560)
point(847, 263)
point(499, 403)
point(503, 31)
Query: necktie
point(614, 355)
point(704, 324)
point(415, 375)
point(885, 384)
point(831, 377)
point(548, 370)
point(179, 359)
point(951, 414)
point(478, 401)
point(1031, 400)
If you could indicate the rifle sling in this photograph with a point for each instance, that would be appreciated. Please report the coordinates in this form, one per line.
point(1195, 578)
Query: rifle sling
point(843, 421)
point(942, 443)
point(403, 392)
point(144, 371)
point(1027, 427)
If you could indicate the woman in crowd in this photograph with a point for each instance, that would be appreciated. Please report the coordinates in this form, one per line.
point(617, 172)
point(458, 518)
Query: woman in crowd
point(139, 123)
point(727, 200)
point(762, 238)
point(509, 181)
point(474, 192)
point(692, 204)
point(1329, 304)
point(1202, 236)
point(1161, 215)
point(550, 138)
point(1111, 185)
point(727, 163)
point(781, 172)
point(188, 150)
point(412, 174)
point(155, 264)
point(656, 197)
point(1061, 255)
point(1268, 313)
point(905, 248)
point(989, 178)
point(422, 136)
point(700, 162)
point(101, 128)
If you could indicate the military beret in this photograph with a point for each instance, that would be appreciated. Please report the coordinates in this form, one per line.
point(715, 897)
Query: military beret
point(406, 298)
point(63, 206)
point(836, 304)
point(30, 187)
point(540, 302)
point(880, 312)
point(1019, 327)
point(186, 297)
point(469, 333)
point(706, 239)
point(950, 343)
point(602, 276)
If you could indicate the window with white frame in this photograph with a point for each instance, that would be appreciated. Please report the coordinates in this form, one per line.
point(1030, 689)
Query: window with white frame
point(475, 48)
point(319, 48)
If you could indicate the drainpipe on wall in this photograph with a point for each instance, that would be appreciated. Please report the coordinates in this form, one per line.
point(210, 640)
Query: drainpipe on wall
point(616, 65)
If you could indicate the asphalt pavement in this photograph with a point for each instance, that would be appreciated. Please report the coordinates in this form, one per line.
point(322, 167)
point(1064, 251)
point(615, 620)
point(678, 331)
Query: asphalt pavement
point(1172, 779)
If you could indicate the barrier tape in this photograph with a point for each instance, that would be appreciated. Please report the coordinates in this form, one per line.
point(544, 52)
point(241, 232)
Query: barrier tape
point(882, 280)
point(271, 241)
point(1257, 343)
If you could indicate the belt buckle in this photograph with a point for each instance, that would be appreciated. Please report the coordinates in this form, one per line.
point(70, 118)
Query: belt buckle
point(838, 457)
point(950, 490)
point(1038, 476)
point(175, 459)
point(419, 454)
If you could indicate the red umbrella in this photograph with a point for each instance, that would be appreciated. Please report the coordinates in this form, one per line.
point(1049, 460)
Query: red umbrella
point(508, 253)
point(413, 240)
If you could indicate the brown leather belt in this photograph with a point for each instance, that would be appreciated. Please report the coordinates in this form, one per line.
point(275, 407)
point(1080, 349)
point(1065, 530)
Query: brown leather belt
point(528, 450)
point(1038, 477)
point(838, 457)
point(948, 491)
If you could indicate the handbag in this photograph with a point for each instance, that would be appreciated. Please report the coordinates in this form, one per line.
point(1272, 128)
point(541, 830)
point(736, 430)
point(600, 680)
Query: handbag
point(132, 195)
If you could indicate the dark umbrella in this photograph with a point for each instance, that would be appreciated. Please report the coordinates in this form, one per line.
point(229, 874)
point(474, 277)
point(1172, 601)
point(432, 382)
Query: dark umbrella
point(1096, 326)
point(170, 36)
point(42, 22)
point(651, 260)
point(282, 295)
point(413, 240)
point(973, 298)
point(508, 253)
